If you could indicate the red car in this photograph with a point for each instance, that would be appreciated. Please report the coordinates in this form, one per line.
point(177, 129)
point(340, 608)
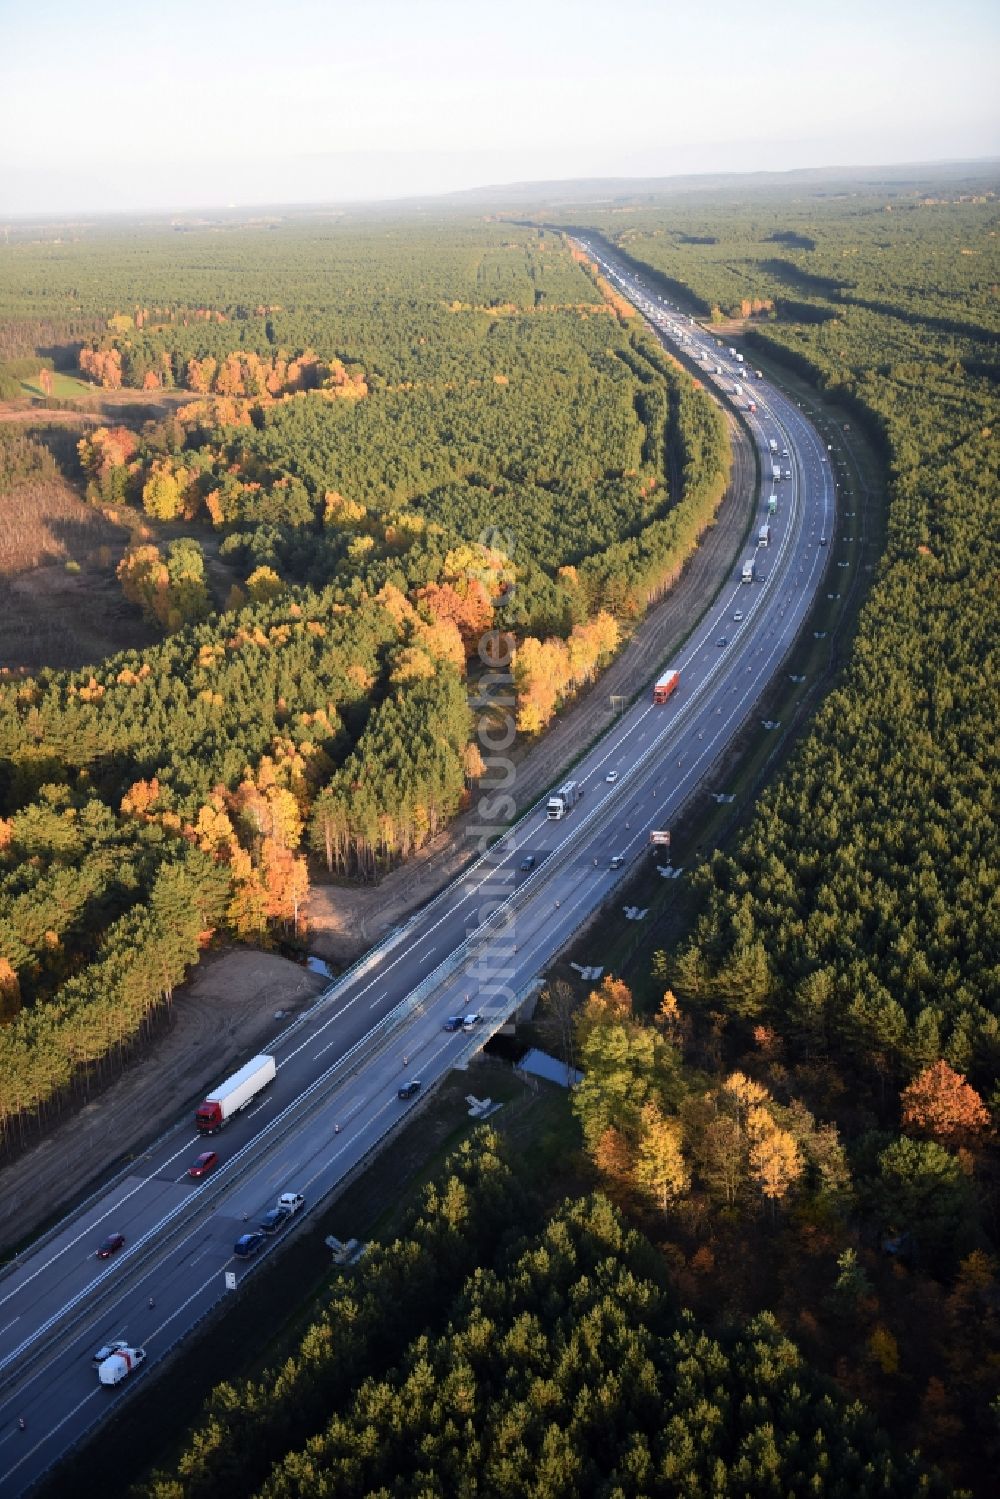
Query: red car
point(204, 1164)
point(112, 1243)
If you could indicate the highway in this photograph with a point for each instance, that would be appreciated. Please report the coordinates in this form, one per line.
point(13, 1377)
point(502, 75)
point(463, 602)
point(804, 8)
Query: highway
point(475, 948)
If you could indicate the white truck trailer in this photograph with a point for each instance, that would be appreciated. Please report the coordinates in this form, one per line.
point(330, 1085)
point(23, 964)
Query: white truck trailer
point(234, 1094)
point(748, 571)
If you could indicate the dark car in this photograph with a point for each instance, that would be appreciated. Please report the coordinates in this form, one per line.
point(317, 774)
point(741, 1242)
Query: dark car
point(453, 1023)
point(722, 641)
point(107, 1350)
point(111, 1245)
point(203, 1165)
point(528, 862)
point(248, 1244)
point(274, 1220)
point(409, 1089)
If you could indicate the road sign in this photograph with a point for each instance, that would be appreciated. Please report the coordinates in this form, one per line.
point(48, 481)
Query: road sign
point(660, 838)
point(230, 1280)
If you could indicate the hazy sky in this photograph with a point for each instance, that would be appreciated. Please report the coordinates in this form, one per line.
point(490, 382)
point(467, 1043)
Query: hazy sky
point(124, 104)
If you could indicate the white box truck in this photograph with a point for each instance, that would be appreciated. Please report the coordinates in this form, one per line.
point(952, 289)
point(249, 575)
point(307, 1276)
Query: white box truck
point(748, 571)
point(775, 472)
point(764, 535)
point(234, 1094)
point(120, 1365)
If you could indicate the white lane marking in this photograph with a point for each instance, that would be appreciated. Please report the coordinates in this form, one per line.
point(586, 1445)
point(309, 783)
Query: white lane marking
point(93, 1228)
point(51, 1430)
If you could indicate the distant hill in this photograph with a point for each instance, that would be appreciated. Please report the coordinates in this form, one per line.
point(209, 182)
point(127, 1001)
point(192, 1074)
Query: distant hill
point(974, 176)
point(956, 178)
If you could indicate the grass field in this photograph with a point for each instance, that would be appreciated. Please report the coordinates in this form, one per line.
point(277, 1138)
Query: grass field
point(64, 388)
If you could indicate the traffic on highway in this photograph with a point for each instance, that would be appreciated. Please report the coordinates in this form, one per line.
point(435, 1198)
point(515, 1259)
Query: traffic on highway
point(134, 1268)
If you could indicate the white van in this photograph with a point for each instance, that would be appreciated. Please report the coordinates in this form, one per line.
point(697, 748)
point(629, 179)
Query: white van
point(120, 1365)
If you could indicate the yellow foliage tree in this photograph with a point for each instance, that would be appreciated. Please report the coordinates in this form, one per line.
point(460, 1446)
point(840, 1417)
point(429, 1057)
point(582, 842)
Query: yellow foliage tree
point(264, 585)
point(213, 831)
point(441, 640)
point(884, 1349)
point(412, 665)
point(473, 763)
point(339, 511)
point(660, 1169)
point(162, 493)
point(744, 1094)
point(775, 1161)
point(541, 674)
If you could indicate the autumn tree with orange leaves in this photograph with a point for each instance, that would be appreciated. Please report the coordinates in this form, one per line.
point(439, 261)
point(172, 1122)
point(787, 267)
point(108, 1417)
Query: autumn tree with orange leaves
point(168, 587)
point(102, 365)
point(546, 671)
point(108, 457)
point(942, 1106)
point(464, 603)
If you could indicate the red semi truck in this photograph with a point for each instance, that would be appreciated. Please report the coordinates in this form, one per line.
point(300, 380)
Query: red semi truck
point(234, 1094)
point(665, 685)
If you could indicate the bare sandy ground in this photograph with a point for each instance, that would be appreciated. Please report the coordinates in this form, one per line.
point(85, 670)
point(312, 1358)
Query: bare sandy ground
point(219, 1019)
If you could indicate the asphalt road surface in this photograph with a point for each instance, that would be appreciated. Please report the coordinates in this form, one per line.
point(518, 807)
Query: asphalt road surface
point(472, 950)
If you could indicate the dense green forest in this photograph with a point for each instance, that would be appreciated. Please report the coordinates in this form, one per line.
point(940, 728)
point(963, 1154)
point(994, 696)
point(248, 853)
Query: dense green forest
point(859, 915)
point(398, 439)
point(493, 1349)
point(842, 965)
